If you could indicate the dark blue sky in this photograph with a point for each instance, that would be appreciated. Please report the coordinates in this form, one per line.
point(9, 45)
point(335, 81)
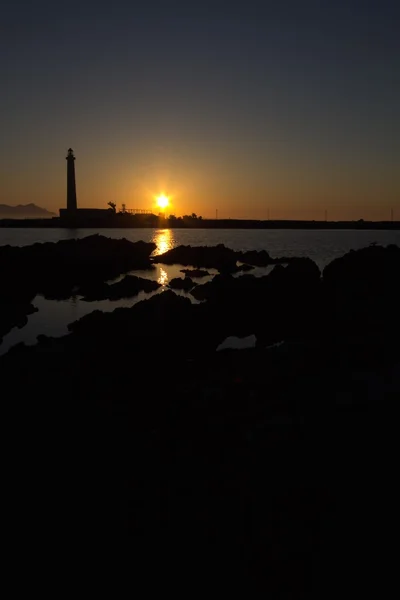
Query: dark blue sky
point(239, 106)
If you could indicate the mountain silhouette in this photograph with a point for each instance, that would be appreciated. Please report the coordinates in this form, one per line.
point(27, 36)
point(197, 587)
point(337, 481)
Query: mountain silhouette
point(24, 211)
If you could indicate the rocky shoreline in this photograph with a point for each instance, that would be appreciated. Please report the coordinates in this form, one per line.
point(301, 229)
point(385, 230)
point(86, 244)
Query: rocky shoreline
point(257, 462)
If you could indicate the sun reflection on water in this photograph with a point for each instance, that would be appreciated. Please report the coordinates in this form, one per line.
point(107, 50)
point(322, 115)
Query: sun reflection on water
point(164, 241)
point(163, 278)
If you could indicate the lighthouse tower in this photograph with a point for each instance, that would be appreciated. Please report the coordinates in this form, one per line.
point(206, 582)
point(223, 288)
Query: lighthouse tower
point(71, 185)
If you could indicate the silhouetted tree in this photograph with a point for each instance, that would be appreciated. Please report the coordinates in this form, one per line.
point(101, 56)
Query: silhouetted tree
point(113, 207)
point(192, 217)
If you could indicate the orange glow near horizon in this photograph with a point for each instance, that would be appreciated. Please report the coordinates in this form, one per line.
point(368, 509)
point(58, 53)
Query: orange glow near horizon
point(204, 188)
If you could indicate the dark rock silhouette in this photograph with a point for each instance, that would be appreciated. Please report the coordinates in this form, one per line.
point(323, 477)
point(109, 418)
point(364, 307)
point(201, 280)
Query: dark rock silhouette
point(56, 269)
point(178, 283)
point(245, 268)
point(220, 288)
point(14, 315)
point(15, 301)
point(149, 323)
point(195, 272)
point(217, 257)
point(257, 259)
point(302, 271)
point(364, 268)
point(155, 309)
point(128, 287)
point(362, 293)
point(281, 305)
point(262, 462)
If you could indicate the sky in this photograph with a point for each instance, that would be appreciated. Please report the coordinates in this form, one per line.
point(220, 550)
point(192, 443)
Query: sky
point(285, 108)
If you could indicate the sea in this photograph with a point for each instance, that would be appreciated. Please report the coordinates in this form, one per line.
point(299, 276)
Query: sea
point(53, 317)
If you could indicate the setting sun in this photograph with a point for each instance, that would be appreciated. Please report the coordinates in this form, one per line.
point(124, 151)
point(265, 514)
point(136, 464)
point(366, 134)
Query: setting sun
point(162, 201)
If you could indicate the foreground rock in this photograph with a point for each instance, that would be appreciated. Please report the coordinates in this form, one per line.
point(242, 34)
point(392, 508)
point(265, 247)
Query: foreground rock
point(300, 272)
point(15, 304)
point(218, 257)
point(165, 319)
point(362, 292)
point(244, 268)
point(291, 303)
point(256, 258)
point(128, 287)
point(282, 305)
point(14, 315)
point(365, 269)
point(178, 283)
point(264, 463)
point(56, 269)
point(195, 272)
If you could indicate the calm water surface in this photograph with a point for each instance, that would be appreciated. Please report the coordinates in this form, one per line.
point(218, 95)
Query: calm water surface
point(53, 317)
point(321, 246)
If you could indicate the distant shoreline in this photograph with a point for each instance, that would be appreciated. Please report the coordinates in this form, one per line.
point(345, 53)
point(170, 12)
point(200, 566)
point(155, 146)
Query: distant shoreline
point(116, 222)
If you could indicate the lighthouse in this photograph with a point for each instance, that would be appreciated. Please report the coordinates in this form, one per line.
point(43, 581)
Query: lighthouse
point(72, 216)
point(71, 184)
